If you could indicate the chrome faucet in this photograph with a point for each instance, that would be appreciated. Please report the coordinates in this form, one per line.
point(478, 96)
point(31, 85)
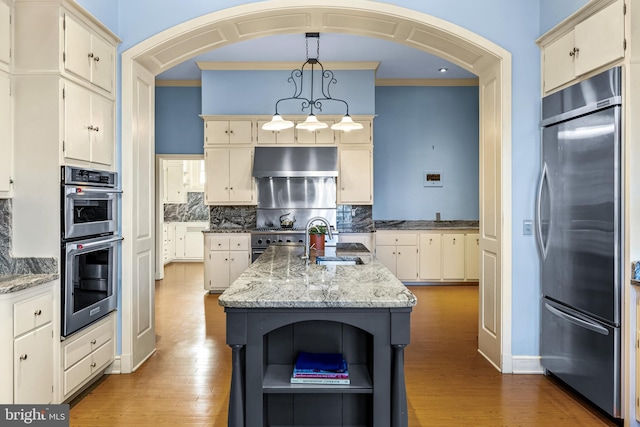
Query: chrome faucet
point(306, 233)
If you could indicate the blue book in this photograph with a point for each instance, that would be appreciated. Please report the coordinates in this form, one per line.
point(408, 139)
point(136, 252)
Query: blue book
point(333, 362)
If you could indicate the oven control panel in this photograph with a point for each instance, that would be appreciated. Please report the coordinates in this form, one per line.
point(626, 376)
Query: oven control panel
point(78, 176)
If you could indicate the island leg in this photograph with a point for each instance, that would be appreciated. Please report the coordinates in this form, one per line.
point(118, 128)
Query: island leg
point(399, 417)
point(236, 396)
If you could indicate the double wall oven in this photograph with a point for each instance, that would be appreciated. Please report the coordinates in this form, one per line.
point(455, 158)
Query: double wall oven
point(89, 246)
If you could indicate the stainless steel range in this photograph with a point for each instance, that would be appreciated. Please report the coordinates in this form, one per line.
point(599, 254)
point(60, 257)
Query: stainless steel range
point(262, 238)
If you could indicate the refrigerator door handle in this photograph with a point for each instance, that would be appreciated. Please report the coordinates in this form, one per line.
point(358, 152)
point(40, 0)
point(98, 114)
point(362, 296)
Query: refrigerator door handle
point(543, 177)
point(577, 321)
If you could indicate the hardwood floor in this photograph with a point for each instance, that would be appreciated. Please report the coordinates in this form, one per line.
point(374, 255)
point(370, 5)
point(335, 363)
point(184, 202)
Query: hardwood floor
point(186, 382)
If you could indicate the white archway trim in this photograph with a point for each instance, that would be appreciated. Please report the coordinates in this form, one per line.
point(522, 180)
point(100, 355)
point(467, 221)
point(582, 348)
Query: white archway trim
point(360, 17)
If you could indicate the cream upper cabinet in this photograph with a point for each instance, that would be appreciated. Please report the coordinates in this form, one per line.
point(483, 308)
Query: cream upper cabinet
point(324, 136)
point(285, 136)
point(5, 34)
point(360, 136)
point(6, 134)
point(88, 126)
point(430, 257)
point(175, 190)
point(222, 132)
point(583, 48)
point(87, 55)
point(355, 177)
point(229, 176)
point(453, 253)
point(472, 257)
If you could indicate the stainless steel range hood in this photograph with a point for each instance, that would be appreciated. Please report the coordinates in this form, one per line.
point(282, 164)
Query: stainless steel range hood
point(295, 162)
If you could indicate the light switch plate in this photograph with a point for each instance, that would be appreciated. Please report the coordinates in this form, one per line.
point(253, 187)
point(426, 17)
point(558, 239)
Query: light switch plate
point(527, 227)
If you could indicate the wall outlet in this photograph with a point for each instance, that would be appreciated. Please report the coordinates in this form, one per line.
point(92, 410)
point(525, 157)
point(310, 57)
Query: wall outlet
point(527, 227)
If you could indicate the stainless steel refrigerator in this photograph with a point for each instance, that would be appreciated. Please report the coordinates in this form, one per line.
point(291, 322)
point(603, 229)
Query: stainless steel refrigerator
point(578, 223)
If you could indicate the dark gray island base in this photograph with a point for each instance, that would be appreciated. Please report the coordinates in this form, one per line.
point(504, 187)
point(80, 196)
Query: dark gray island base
point(282, 305)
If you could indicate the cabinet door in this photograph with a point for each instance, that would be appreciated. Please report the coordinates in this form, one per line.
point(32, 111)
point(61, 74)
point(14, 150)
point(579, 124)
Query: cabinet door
point(359, 136)
point(238, 263)
point(219, 262)
point(240, 131)
point(77, 121)
point(430, 256)
point(6, 144)
point(407, 262)
point(77, 48)
point(240, 175)
point(217, 169)
point(102, 137)
point(453, 256)
point(472, 256)
point(102, 63)
point(558, 67)
point(33, 367)
point(387, 256)
point(5, 33)
point(216, 132)
point(594, 49)
point(285, 136)
point(171, 242)
point(175, 191)
point(194, 247)
point(355, 179)
point(321, 136)
point(180, 241)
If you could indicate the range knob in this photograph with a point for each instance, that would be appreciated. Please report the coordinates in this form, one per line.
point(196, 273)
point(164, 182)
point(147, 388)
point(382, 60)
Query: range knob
point(288, 240)
point(268, 241)
point(259, 241)
point(280, 241)
point(300, 241)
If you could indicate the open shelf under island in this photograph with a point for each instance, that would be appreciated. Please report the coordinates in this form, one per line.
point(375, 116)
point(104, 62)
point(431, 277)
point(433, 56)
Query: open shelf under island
point(282, 305)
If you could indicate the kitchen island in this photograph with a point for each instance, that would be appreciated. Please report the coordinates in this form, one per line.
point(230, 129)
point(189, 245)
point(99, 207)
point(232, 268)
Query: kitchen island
point(283, 304)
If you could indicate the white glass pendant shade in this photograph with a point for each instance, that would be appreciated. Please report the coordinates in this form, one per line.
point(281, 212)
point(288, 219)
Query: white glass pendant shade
point(311, 124)
point(346, 124)
point(277, 123)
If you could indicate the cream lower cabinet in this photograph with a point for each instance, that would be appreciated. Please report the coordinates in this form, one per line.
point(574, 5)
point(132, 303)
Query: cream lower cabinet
point(355, 179)
point(28, 345)
point(447, 256)
point(229, 176)
point(453, 252)
point(86, 354)
point(228, 255)
point(431, 257)
point(399, 253)
point(472, 256)
point(188, 241)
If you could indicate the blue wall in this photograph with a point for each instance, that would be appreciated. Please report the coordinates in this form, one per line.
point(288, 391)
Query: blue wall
point(256, 92)
point(552, 12)
point(513, 25)
point(425, 128)
point(179, 129)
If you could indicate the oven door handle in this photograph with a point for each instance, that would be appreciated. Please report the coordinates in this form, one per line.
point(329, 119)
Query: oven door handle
point(71, 191)
point(99, 243)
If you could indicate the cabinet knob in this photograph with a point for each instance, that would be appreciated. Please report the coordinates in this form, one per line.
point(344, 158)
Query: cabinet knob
point(96, 58)
point(93, 364)
point(23, 357)
point(90, 55)
point(574, 51)
point(93, 341)
point(230, 188)
point(232, 259)
point(37, 312)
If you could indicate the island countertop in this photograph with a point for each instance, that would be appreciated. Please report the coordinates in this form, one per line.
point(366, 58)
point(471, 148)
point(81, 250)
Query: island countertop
point(279, 278)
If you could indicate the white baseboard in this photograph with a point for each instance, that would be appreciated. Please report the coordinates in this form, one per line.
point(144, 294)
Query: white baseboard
point(115, 367)
point(527, 365)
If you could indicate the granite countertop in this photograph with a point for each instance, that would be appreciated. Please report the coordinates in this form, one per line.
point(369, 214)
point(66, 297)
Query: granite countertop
point(228, 230)
point(281, 279)
point(427, 225)
point(18, 282)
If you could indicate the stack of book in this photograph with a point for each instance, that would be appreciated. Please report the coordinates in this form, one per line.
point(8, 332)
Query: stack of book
point(320, 368)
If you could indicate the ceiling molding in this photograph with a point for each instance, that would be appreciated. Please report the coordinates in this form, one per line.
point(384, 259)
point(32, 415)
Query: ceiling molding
point(426, 82)
point(235, 66)
point(180, 83)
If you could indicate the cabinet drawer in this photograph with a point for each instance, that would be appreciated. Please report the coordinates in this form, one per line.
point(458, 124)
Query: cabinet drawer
point(85, 344)
point(217, 243)
point(85, 368)
point(396, 239)
point(238, 243)
point(32, 313)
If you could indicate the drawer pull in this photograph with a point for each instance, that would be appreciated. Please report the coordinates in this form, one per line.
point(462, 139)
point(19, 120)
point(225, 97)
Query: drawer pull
point(93, 341)
point(23, 357)
point(37, 312)
point(93, 364)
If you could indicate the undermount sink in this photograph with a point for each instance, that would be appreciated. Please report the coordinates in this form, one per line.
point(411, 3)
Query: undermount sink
point(339, 260)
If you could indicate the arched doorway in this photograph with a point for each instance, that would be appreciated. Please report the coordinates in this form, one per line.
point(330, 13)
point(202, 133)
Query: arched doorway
point(490, 62)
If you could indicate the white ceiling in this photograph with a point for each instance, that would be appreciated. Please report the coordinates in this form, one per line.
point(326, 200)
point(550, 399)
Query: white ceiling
point(396, 61)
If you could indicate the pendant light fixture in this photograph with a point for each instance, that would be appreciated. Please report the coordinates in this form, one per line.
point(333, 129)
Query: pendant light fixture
point(313, 104)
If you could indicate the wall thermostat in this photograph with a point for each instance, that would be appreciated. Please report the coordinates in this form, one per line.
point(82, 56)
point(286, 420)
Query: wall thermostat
point(432, 178)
